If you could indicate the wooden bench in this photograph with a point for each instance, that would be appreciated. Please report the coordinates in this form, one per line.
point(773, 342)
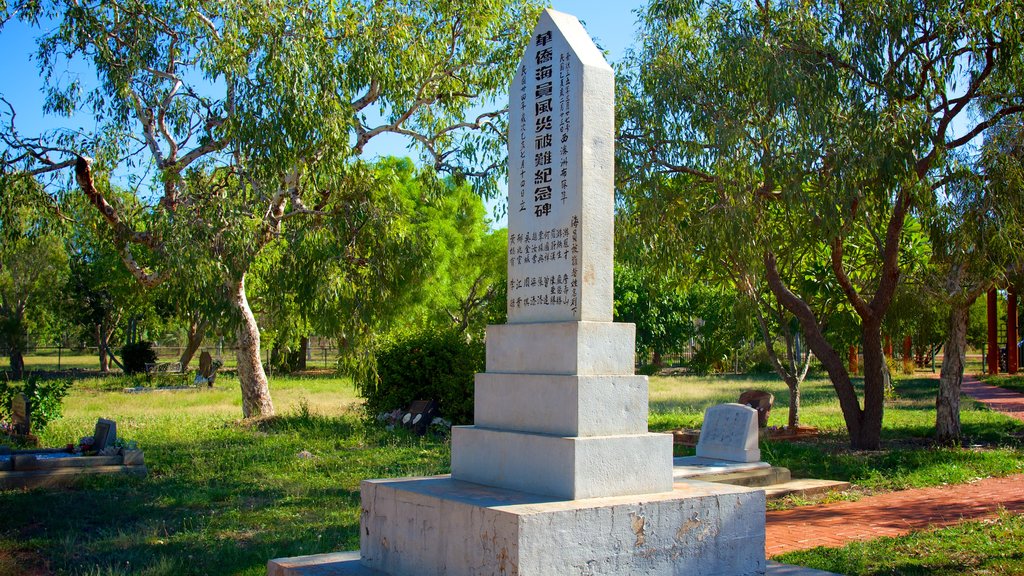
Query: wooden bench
point(163, 369)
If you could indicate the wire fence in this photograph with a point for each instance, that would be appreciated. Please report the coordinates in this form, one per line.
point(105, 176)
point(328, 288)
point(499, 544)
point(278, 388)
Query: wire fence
point(87, 359)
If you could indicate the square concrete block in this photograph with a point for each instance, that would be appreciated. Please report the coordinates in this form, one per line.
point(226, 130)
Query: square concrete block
point(697, 528)
point(562, 405)
point(563, 467)
point(570, 348)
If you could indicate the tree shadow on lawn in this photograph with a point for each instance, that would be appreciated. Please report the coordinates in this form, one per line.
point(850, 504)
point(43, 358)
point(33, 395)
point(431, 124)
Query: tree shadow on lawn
point(220, 509)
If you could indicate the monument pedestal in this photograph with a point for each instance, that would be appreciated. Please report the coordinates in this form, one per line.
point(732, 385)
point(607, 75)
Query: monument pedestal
point(435, 526)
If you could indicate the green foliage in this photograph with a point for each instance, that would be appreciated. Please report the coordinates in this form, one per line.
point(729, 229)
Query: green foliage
point(136, 355)
point(434, 365)
point(45, 398)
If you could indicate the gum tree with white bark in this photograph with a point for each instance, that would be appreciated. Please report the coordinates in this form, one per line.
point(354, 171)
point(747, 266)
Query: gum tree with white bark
point(249, 118)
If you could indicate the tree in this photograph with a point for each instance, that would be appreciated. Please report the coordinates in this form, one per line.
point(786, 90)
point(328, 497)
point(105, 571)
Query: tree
point(255, 117)
point(815, 124)
point(977, 236)
point(32, 262)
point(661, 312)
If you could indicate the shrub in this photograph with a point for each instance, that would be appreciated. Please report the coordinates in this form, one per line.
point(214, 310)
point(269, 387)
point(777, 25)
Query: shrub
point(430, 365)
point(45, 398)
point(136, 355)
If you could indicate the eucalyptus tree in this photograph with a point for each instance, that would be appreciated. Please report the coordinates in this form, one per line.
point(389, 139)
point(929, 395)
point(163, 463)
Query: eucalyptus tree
point(798, 125)
point(32, 262)
point(977, 237)
point(255, 116)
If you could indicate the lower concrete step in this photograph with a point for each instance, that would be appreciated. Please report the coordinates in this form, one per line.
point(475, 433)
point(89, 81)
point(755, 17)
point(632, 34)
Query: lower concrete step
point(758, 478)
point(347, 564)
point(803, 487)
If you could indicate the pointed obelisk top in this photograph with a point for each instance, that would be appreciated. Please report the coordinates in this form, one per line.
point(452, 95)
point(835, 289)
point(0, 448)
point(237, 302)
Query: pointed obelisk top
point(561, 170)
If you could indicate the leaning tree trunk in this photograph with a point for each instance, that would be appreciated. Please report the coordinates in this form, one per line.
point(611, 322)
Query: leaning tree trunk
point(256, 400)
point(947, 401)
point(101, 346)
point(196, 333)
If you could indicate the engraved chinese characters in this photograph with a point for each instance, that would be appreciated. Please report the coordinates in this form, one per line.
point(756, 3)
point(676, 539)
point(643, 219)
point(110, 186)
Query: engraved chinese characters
point(560, 180)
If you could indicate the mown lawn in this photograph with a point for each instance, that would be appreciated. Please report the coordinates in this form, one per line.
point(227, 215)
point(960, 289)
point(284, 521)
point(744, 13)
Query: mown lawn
point(992, 547)
point(224, 496)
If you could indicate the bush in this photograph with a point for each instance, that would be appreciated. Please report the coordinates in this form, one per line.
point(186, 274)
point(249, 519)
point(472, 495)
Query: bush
point(431, 365)
point(136, 355)
point(45, 399)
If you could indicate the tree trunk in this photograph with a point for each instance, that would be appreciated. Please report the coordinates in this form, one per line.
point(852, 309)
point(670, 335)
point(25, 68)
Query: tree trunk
point(256, 400)
point(196, 333)
point(17, 364)
point(303, 353)
point(947, 401)
point(101, 345)
point(823, 351)
point(793, 383)
point(876, 380)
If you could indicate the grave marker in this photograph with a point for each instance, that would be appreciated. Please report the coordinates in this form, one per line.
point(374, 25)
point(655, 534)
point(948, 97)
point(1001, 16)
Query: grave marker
point(104, 435)
point(21, 414)
point(729, 433)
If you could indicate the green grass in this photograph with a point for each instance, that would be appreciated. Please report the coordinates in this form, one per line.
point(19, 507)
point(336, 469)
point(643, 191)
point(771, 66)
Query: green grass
point(991, 547)
point(224, 496)
point(908, 458)
point(1015, 382)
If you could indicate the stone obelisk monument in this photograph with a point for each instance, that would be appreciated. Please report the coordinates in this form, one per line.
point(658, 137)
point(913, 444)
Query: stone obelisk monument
point(559, 474)
point(560, 411)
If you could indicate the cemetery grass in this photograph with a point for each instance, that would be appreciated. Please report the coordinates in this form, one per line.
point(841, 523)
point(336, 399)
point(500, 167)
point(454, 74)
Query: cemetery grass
point(993, 547)
point(1015, 382)
point(223, 496)
point(993, 445)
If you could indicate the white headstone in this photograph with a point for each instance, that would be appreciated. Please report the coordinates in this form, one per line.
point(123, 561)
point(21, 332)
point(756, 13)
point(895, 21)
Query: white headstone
point(561, 191)
point(729, 433)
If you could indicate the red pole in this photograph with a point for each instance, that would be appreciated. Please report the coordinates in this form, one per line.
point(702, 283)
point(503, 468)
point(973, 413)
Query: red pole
point(854, 368)
point(993, 328)
point(1012, 358)
point(908, 350)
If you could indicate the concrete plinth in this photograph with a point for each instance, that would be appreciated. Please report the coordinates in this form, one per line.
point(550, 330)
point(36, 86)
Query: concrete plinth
point(440, 526)
point(562, 405)
point(561, 348)
point(563, 467)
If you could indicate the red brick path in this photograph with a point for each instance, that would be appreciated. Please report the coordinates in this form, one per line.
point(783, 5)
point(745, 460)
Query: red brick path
point(1000, 399)
point(898, 513)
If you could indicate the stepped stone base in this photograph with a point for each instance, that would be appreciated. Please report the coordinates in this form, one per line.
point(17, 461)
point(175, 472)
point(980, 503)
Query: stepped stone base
point(440, 526)
point(563, 467)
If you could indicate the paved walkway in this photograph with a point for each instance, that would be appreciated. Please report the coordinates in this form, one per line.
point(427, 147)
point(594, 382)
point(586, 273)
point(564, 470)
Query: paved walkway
point(901, 512)
point(1000, 399)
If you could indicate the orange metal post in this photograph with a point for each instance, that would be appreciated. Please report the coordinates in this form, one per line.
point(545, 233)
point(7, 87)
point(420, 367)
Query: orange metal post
point(993, 329)
point(1012, 359)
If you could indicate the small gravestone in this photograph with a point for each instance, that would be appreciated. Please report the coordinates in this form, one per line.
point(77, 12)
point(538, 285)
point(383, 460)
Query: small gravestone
point(761, 401)
point(729, 433)
point(104, 435)
point(205, 364)
point(22, 414)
